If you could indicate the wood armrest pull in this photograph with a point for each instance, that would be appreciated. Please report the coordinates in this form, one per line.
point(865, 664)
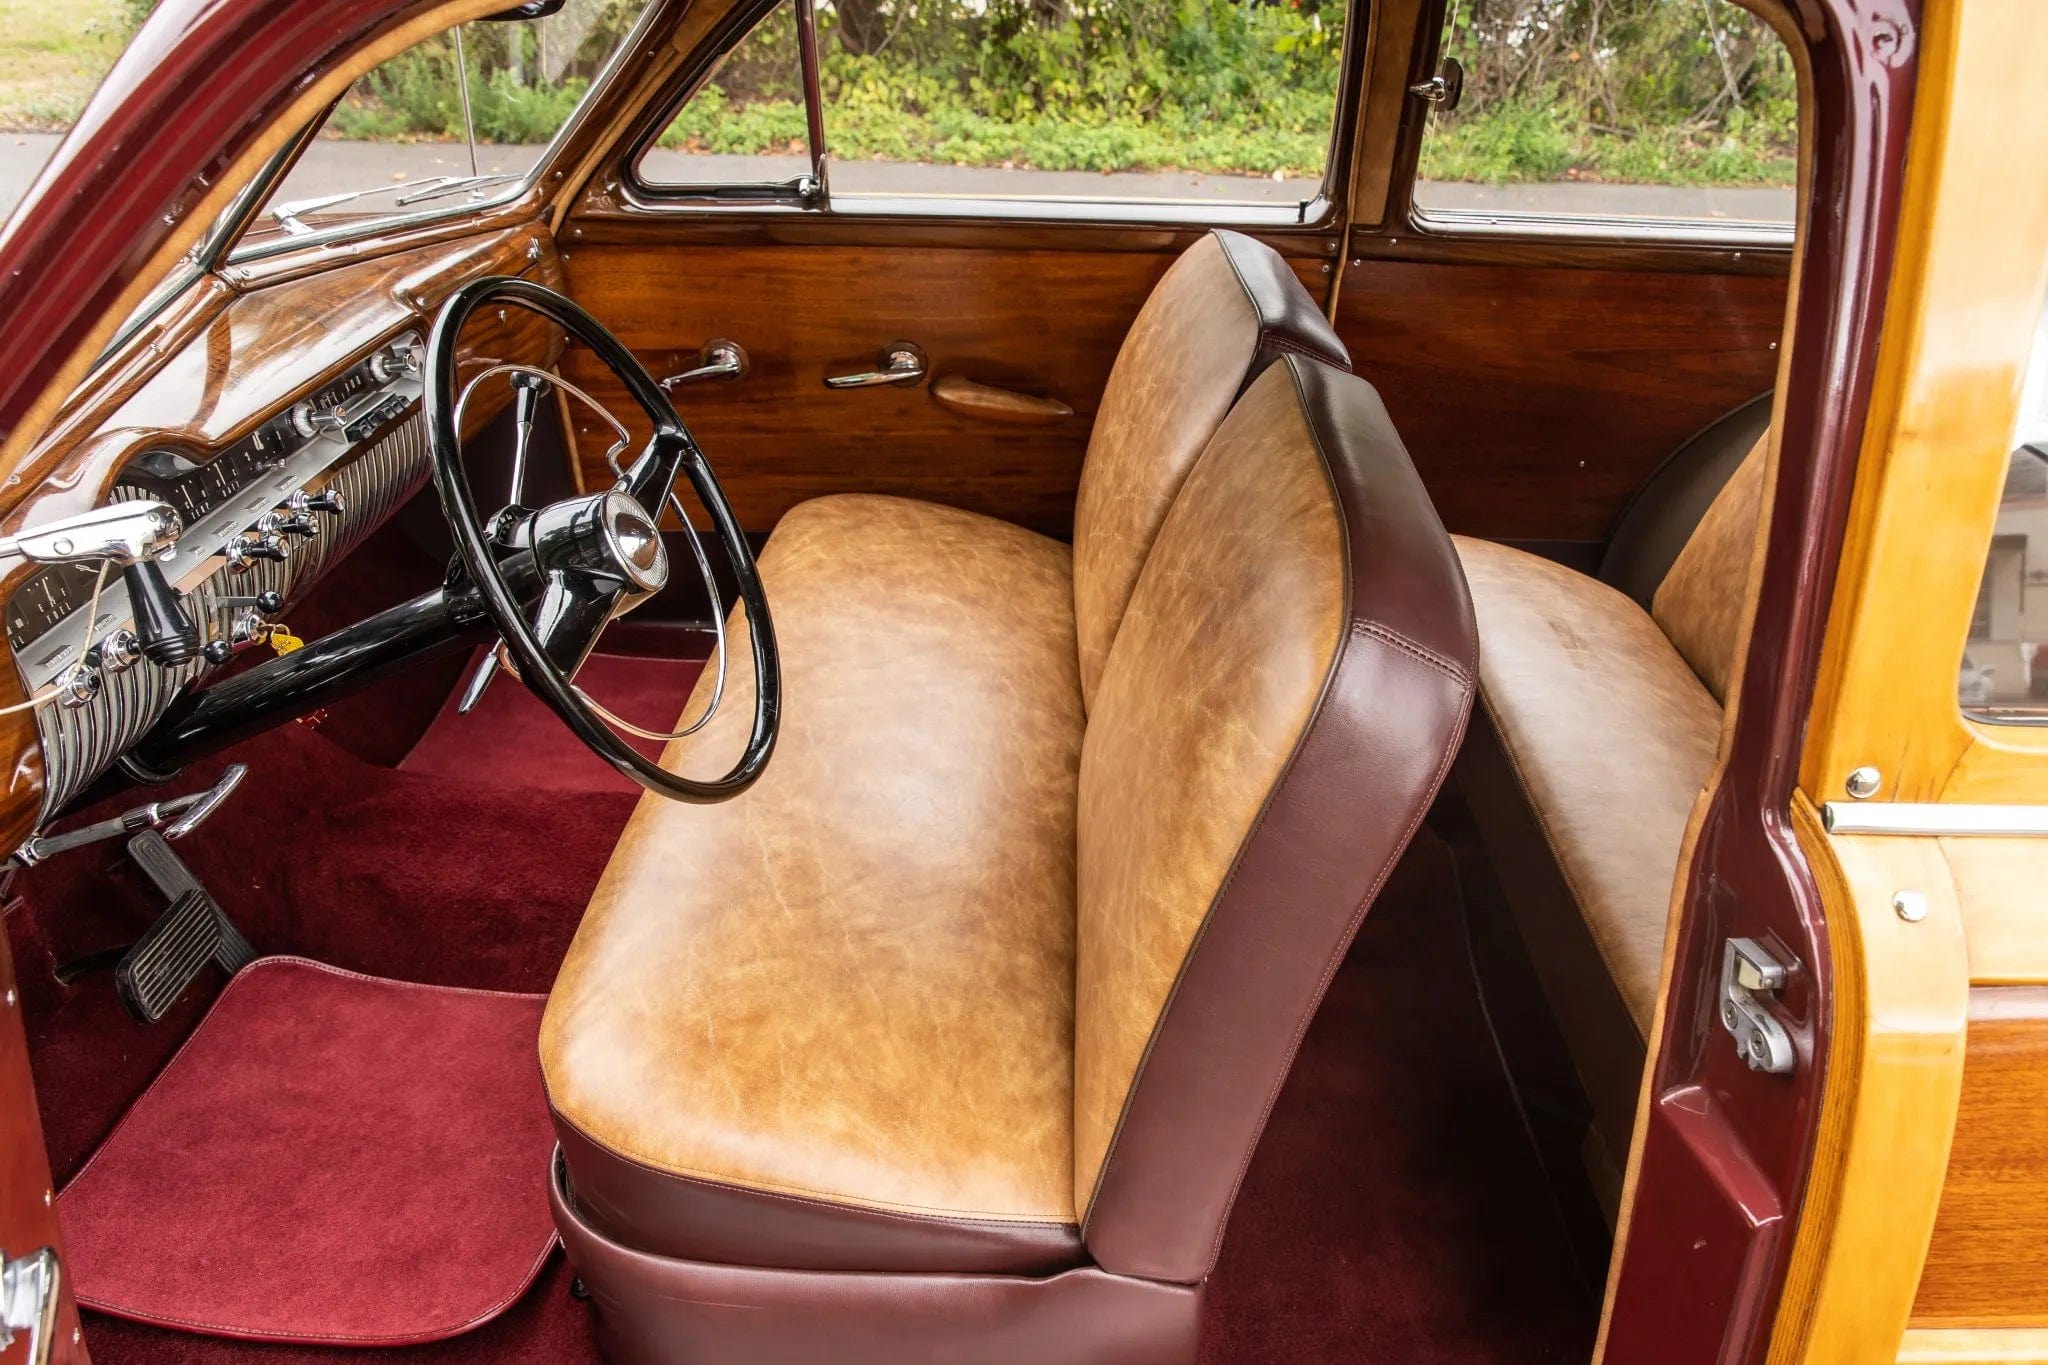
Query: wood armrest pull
point(958, 394)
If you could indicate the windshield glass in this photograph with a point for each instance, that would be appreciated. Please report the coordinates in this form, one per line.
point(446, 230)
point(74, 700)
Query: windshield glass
point(457, 121)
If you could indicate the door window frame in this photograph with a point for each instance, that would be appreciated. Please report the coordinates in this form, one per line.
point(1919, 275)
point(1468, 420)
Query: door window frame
point(810, 196)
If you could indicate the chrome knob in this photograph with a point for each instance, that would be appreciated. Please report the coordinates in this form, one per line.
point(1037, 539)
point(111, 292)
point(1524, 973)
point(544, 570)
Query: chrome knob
point(299, 525)
point(310, 421)
point(248, 547)
point(328, 500)
point(120, 651)
point(79, 686)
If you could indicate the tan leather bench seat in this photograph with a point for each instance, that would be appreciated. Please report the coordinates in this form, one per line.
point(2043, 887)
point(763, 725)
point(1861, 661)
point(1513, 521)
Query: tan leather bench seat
point(1609, 732)
point(1598, 724)
point(872, 953)
point(950, 1039)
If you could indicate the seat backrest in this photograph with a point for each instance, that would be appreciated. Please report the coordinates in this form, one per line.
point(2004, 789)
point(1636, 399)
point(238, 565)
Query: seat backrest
point(1288, 686)
point(1663, 515)
point(1218, 317)
point(1702, 602)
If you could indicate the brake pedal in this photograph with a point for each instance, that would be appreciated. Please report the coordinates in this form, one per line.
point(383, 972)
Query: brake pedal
point(191, 933)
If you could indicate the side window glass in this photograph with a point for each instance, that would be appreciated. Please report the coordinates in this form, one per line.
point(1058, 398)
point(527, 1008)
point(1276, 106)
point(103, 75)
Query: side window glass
point(1202, 102)
point(1209, 101)
point(1623, 112)
point(399, 144)
point(746, 127)
point(2004, 673)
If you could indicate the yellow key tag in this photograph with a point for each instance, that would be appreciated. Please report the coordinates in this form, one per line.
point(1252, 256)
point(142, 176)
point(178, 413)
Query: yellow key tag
point(284, 642)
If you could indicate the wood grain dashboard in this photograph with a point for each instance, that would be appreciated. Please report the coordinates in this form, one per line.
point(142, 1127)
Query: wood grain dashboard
point(228, 353)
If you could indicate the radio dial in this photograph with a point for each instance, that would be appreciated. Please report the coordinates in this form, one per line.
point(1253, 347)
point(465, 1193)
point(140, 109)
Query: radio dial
point(309, 421)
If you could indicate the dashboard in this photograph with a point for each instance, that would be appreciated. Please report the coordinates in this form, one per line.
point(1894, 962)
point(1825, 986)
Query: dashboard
point(277, 409)
point(264, 517)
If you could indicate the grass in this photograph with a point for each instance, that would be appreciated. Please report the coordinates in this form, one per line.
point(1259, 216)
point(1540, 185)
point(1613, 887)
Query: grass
point(1524, 143)
point(53, 54)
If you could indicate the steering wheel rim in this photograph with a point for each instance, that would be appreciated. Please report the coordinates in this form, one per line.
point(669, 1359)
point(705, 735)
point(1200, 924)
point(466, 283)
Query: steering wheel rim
point(670, 452)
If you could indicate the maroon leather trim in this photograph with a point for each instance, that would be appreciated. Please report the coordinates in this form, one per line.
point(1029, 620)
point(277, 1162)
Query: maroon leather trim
point(704, 1220)
point(652, 1308)
point(1363, 774)
point(1290, 323)
point(1606, 1045)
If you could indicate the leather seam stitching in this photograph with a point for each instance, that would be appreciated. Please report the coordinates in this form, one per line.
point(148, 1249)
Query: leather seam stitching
point(1109, 1152)
point(797, 1194)
point(1336, 960)
point(1387, 635)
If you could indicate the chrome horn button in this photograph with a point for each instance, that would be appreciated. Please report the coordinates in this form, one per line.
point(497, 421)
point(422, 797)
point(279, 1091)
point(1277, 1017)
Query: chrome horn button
point(605, 536)
point(633, 542)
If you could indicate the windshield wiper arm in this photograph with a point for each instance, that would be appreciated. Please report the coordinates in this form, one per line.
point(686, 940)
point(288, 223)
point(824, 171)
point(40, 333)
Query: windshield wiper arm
point(452, 184)
point(289, 217)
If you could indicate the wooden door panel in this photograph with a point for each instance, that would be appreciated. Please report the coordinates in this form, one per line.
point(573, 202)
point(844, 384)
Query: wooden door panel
point(1045, 323)
point(1536, 400)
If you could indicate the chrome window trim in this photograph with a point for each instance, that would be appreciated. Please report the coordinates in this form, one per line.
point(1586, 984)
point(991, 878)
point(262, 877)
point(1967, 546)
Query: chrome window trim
point(1933, 818)
point(750, 201)
point(1605, 229)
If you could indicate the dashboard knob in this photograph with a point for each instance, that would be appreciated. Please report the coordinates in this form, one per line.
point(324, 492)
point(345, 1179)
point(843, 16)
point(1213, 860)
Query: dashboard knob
point(248, 547)
point(79, 686)
point(120, 651)
point(218, 652)
point(310, 421)
point(299, 525)
point(328, 500)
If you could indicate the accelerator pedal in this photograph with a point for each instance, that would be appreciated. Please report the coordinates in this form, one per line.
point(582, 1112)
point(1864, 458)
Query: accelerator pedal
point(191, 933)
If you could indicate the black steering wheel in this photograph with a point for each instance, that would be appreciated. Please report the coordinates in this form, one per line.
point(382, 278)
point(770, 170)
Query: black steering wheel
point(587, 559)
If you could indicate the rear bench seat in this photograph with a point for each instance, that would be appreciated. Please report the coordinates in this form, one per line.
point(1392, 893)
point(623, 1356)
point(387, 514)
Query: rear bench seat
point(1600, 716)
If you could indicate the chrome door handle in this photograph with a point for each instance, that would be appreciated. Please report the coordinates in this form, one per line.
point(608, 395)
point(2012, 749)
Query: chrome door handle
point(28, 1302)
point(902, 363)
point(720, 359)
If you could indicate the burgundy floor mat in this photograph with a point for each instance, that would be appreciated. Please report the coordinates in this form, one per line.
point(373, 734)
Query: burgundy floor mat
point(512, 738)
point(330, 1158)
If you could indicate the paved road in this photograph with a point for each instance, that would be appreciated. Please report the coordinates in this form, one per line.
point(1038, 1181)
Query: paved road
point(329, 167)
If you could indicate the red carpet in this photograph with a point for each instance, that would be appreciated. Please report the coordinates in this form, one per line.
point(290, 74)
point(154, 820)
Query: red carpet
point(514, 739)
point(330, 1158)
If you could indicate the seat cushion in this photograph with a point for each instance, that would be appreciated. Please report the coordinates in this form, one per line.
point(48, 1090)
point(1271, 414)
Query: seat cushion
point(828, 1025)
point(1610, 737)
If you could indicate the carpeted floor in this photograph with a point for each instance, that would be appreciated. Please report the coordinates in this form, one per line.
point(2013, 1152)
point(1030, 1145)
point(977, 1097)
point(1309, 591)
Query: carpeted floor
point(1393, 1213)
point(331, 1158)
point(498, 742)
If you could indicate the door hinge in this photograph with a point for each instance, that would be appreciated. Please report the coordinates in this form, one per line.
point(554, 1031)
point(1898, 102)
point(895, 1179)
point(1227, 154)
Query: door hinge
point(1750, 971)
point(28, 1302)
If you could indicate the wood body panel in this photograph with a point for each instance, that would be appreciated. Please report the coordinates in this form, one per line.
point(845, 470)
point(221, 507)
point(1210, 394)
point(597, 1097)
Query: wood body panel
point(1046, 324)
point(1537, 400)
point(28, 1215)
point(1988, 1262)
